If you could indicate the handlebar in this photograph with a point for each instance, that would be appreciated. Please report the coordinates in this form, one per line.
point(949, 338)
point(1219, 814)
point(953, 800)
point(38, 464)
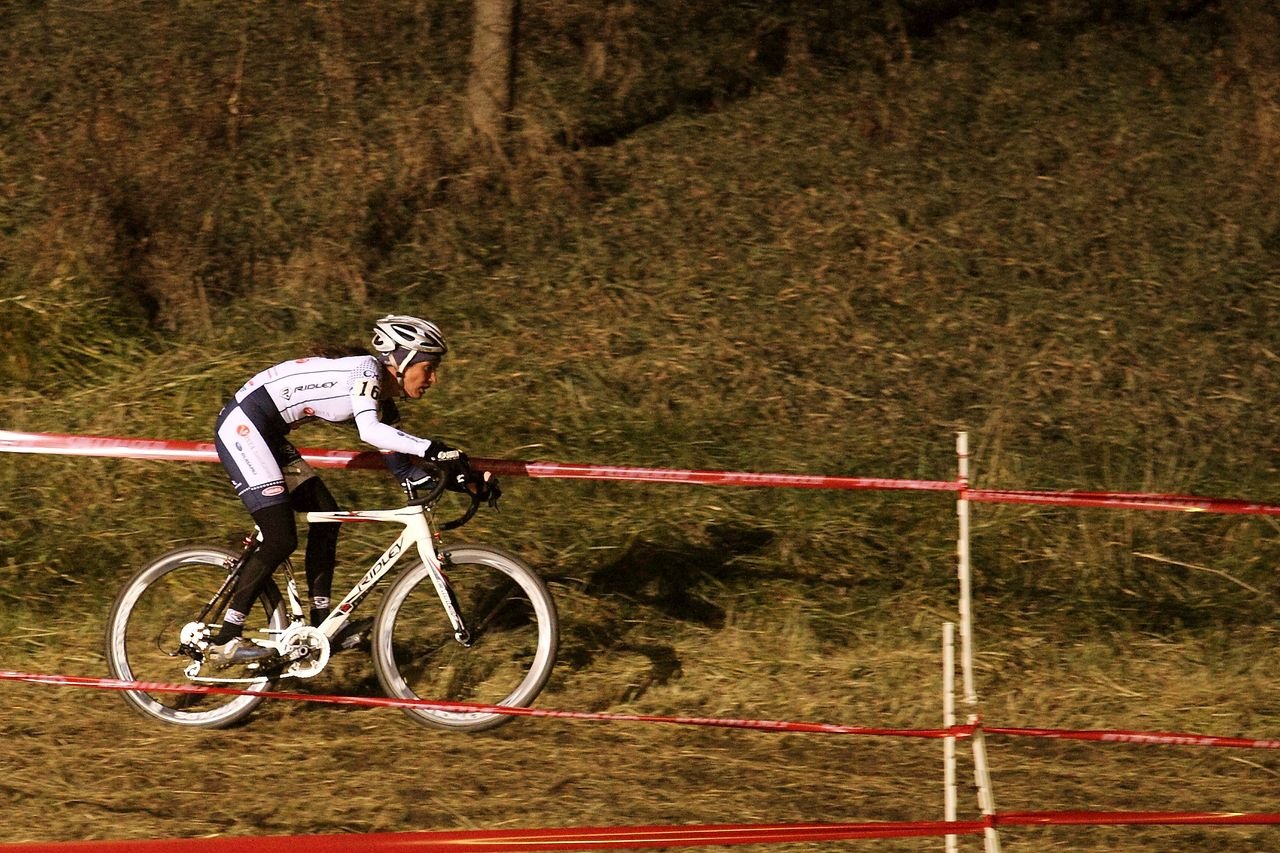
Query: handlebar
point(466, 516)
point(436, 473)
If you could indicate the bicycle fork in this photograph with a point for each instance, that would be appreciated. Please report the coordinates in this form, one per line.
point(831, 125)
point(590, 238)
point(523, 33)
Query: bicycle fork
point(452, 607)
point(437, 565)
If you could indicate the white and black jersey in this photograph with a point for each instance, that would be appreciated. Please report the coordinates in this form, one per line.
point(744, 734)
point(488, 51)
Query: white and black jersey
point(251, 429)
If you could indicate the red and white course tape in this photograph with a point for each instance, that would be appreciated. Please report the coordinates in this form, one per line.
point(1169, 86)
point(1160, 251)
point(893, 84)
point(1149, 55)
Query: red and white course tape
point(639, 837)
point(496, 841)
point(95, 683)
point(192, 451)
point(60, 444)
point(956, 731)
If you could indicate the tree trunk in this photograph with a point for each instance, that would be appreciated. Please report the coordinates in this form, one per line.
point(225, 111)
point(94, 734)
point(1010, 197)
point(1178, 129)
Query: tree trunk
point(491, 85)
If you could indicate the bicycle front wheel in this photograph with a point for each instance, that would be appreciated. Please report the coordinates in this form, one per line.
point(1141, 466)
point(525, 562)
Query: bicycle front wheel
point(144, 629)
point(511, 650)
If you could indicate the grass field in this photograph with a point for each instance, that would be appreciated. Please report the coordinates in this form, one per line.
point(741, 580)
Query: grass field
point(1055, 230)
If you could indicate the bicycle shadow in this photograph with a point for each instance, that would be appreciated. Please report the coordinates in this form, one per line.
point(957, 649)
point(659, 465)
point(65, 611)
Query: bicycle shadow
point(603, 660)
point(648, 582)
point(672, 578)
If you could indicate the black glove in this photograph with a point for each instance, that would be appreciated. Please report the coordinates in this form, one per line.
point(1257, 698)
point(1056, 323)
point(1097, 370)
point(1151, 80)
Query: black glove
point(484, 486)
point(453, 463)
point(443, 455)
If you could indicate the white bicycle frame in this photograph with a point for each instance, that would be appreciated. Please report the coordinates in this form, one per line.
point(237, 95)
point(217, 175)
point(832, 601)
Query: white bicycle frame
point(418, 532)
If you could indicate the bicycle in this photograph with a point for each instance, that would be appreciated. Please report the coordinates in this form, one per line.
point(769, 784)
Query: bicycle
point(468, 624)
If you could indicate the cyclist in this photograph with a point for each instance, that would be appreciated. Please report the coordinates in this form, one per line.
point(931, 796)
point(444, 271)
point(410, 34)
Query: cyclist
point(273, 480)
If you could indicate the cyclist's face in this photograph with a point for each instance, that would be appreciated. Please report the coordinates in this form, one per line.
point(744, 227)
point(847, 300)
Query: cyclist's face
point(419, 377)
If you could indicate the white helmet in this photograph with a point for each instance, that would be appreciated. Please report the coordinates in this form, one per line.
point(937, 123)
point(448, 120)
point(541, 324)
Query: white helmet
point(403, 341)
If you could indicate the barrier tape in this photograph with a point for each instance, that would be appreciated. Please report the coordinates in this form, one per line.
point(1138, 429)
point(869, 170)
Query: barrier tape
point(956, 731)
point(639, 837)
point(493, 841)
point(1122, 736)
point(190, 451)
point(1069, 818)
point(59, 444)
point(1122, 500)
point(467, 707)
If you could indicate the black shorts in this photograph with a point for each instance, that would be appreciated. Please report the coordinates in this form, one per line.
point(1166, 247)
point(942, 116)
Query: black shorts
point(256, 457)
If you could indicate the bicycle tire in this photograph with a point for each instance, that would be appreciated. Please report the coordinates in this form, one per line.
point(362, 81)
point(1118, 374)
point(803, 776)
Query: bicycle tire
point(144, 625)
point(515, 634)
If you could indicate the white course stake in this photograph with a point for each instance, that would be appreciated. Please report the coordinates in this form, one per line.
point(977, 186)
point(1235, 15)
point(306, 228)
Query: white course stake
point(966, 592)
point(949, 720)
point(981, 772)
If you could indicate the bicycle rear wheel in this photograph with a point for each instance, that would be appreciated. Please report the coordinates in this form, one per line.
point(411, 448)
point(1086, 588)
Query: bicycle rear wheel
point(514, 635)
point(143, 636)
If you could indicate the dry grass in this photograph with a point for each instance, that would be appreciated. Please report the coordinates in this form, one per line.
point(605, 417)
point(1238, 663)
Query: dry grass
point(369, 770)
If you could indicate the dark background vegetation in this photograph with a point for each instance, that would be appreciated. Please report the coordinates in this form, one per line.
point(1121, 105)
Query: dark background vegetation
point(794, 236)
